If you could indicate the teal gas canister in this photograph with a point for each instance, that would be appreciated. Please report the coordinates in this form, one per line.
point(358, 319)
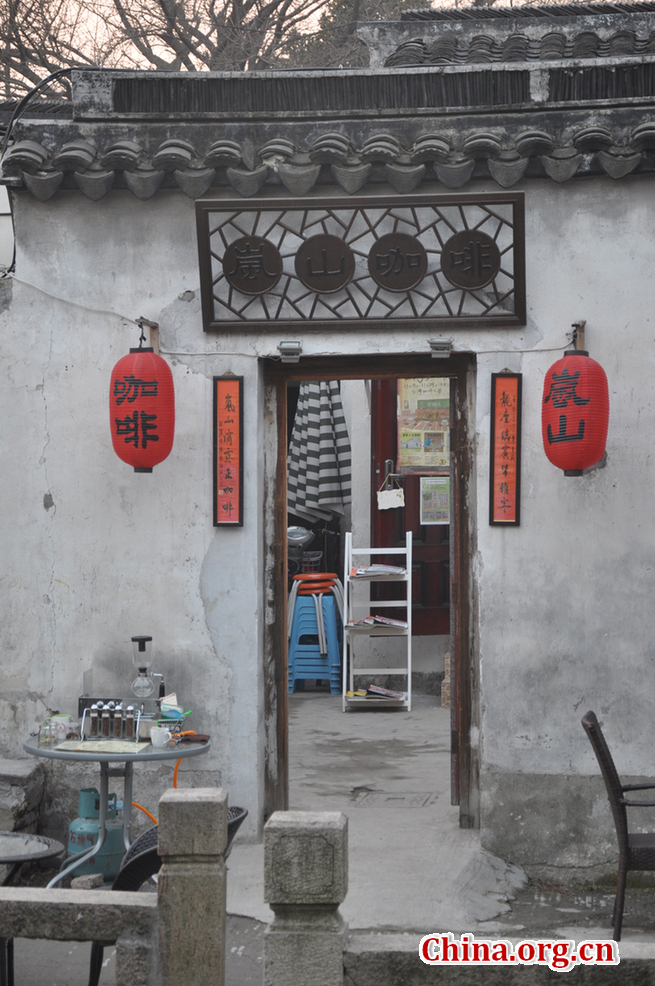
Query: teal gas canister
point(83, 834)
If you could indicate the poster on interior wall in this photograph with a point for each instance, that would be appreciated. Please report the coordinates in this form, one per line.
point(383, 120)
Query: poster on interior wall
point(423, 425)
point(435, 499)
point(505, 467)
point(228, 451)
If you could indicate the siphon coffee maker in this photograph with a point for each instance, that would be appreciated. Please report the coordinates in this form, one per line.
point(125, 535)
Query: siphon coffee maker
point(143, 686)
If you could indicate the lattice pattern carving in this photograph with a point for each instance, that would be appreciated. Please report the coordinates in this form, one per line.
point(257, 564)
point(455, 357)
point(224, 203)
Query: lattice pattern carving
point(461, 256)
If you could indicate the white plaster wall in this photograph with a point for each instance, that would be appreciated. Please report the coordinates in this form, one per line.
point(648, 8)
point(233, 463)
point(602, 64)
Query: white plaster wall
point(566, 614)
point(93, 553)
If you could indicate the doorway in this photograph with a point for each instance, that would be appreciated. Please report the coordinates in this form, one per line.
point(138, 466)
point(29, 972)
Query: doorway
point(455, 596)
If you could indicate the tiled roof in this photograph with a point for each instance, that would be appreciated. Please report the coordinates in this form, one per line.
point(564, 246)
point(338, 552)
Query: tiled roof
point(450, 49)
point(94, 169)
point(407, 127)
point(550, 11)
point(473, 35)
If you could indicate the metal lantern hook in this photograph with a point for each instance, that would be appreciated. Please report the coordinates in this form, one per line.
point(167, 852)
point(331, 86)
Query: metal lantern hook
point(151, 325)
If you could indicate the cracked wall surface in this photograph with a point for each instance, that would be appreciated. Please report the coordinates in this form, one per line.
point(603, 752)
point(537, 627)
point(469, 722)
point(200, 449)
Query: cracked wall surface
point(94, 553)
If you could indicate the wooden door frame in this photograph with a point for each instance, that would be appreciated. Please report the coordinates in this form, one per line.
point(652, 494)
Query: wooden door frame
point(276, 375)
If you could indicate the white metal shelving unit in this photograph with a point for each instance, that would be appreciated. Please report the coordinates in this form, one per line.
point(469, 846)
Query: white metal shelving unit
point(357, 604)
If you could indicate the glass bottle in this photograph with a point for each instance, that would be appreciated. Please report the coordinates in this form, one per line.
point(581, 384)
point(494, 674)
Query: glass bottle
point(143, 686)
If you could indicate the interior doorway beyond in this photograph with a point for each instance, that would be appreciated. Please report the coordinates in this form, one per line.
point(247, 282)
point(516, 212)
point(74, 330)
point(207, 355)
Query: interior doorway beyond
point(277, 377)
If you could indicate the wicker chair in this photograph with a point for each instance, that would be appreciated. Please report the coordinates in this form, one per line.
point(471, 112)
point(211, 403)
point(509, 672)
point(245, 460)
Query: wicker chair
point(636, 850)
point(140, 863)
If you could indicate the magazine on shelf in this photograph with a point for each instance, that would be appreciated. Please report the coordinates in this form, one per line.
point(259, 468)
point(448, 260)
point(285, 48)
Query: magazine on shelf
point(375, 691)
point(377, 571)
point(389, 622)
point(373, 621)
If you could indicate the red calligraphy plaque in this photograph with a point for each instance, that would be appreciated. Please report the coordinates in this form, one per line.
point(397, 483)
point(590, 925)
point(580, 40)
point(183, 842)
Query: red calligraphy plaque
point(505, 465)
point(228, 451)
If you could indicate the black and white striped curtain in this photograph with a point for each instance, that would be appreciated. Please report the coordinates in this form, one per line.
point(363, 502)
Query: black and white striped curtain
point(319, 460)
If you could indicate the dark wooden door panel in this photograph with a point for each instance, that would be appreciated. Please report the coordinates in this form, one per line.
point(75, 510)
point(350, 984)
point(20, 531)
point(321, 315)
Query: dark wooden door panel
point(431, 544)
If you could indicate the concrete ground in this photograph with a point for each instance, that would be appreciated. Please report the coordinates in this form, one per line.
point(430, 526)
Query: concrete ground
point(413, 871)
point(410, 864)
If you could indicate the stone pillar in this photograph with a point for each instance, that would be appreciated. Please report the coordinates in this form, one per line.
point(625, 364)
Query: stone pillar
point(137, 960)
point(191, 886)
point(305, 880)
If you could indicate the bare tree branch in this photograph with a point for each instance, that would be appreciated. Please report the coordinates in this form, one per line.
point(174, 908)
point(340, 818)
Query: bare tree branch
point(37, 37)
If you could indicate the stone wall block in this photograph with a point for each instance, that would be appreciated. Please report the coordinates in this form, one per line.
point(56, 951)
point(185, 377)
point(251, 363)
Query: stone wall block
point(312, 958)
point(74, 915)
point(192, 886)
point(306, 857)
point(21, 793)
point(193, 822)
point(305, 880)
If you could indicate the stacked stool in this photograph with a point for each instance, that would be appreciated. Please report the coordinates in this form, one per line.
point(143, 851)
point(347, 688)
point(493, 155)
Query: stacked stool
point(315, 620)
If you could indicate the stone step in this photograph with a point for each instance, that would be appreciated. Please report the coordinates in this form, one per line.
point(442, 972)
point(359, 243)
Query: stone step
point(386, 959)
point(21, 792)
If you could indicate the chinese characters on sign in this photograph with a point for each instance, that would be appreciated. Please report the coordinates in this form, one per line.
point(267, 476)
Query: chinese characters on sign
point(228, 451)
point(505, 473)
point(358, 262)
point(137, 428)
point(563, 388)
point(325, 264)
point(397, 262)
point(142, 409)
point(252, 265)
point(470, 259)
point(129, 388)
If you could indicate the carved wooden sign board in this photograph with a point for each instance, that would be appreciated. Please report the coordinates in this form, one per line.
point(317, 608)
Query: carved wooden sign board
point(429, 260)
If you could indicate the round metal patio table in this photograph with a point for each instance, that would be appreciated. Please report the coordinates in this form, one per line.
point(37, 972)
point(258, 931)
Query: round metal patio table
point(142, 754)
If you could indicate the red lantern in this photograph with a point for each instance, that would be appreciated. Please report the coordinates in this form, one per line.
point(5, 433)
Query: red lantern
point(575, 412)
point(142, 409)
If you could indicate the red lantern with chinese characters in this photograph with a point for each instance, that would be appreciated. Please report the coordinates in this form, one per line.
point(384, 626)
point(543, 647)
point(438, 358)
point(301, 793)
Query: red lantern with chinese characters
point(142, 409)
point(575, 412)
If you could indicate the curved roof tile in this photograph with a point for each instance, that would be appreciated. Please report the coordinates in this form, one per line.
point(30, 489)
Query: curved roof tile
point(381, 157)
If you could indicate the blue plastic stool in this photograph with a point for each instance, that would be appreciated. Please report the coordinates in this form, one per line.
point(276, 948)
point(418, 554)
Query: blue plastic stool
point(305, 658)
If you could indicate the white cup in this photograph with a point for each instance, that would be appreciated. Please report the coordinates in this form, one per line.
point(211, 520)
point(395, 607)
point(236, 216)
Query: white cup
point(160, 736)
point(56, 728)
point(62, 725)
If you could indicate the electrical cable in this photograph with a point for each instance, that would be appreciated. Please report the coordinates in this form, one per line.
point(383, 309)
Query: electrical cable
point(20, 108)
point(145, 811)
point(15, 116)
point(24, 102)
point(74, 304)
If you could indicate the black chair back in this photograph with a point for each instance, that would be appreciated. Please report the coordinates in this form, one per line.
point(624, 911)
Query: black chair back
point(610, 776)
